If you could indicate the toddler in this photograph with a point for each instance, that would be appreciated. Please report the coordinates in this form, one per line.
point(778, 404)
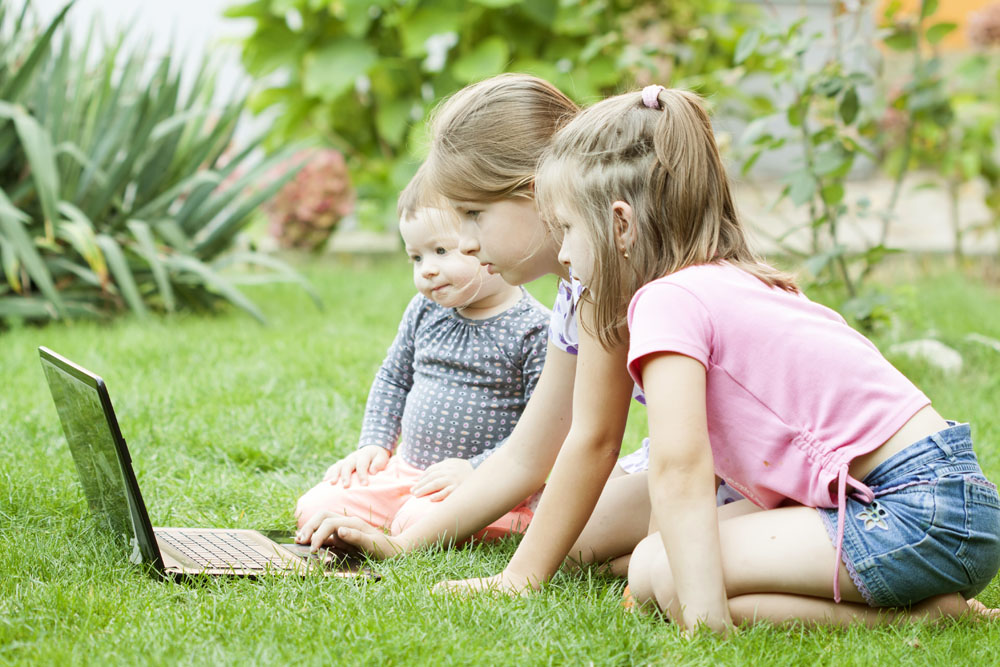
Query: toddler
point(466, 358)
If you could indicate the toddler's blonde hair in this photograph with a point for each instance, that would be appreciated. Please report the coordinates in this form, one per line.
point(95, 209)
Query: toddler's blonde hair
point(488, 137)
point(664, 163)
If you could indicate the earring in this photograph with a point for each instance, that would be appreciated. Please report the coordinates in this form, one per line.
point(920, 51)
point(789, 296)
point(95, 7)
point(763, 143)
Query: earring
point(624, 253)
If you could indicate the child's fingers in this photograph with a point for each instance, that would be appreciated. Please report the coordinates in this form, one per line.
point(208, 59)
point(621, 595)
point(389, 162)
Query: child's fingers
point(429, 484)
point(442, 494)
point(378, 462)
point(360, 535)
point(309, 527)
point(362, 473)
point(345, 475)
point(332, 473)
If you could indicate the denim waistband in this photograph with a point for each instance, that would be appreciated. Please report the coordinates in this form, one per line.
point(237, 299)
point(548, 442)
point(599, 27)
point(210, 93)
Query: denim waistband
point(929, 455)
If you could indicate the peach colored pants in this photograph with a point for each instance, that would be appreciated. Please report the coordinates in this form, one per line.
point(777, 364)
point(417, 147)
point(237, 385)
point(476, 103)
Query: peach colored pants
point(387, 502)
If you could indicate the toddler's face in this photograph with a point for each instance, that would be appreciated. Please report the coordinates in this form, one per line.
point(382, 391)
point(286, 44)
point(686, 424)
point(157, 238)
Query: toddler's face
point(440, 271)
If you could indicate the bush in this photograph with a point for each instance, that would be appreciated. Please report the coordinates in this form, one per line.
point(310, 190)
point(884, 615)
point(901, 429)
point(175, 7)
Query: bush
point(306, 210)
point(363, 75)
point(113, 181)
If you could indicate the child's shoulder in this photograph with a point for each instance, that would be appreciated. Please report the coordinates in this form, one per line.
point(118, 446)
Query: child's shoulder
point(524, 316)
point(533, 306)
point(700, 278)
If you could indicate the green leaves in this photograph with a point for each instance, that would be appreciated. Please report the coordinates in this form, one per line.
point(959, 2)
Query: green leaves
point(407, 55)
point(114, 190)
point(939, 31)
point(489, 57)
point(41, 159)
point(746, 46)
point(849, 106)
point(332, 70)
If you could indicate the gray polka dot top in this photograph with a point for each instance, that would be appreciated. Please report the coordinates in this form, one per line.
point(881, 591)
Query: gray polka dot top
point(451, 387)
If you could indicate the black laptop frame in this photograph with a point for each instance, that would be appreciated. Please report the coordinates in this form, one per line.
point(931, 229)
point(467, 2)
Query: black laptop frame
point(142, 528)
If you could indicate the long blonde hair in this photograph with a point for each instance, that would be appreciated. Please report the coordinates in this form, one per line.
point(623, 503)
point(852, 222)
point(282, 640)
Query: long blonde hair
point(664, 163)
point(487, 139)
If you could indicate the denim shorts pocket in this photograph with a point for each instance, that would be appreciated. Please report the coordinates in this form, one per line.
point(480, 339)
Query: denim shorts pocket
point(979, 552)
point(911, 513)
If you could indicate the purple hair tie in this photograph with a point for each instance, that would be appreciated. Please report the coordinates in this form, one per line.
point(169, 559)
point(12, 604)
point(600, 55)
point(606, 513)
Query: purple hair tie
point(650, 96)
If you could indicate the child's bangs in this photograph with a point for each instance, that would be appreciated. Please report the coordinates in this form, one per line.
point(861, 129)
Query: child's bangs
point(554, 189)
point(441, 218)
point(463, 177)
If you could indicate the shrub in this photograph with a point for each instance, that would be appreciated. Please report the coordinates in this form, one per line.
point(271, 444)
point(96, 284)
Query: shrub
point(363, 75)
point(114, 189)
point(306, 210)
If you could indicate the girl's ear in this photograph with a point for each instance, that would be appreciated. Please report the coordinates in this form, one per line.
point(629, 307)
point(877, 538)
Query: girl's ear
point(624, 221)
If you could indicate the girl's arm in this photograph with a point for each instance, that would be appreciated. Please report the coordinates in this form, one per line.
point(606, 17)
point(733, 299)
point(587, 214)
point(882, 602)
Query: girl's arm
point(505, 479)
point(601, 396)
point(682, 488)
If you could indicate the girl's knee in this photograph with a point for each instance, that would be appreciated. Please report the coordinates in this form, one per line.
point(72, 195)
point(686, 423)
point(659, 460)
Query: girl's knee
point(640, 579)
point(662, 583)
point(414, 509)
point(303, 514)
point(323, 496)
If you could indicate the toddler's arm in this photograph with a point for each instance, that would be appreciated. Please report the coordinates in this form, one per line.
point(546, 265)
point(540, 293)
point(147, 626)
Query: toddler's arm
point(383, 418)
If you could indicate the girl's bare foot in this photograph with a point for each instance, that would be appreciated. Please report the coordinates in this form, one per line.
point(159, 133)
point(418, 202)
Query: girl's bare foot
point(977, 607)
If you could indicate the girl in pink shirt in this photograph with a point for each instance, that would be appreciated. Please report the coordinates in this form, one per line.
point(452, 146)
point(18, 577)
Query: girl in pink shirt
point(852, 478)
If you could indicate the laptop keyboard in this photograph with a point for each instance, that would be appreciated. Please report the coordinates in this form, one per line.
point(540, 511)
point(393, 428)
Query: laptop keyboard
point(221, 549)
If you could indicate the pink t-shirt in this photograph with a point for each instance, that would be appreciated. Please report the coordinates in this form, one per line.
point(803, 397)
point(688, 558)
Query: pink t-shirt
point(793, 392)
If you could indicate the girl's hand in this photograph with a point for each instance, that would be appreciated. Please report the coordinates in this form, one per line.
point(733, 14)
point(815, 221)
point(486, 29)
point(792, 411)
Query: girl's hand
point(509, 583)
point(366, 461)
point(348, 532)
point(720, 622)
point(440, 479)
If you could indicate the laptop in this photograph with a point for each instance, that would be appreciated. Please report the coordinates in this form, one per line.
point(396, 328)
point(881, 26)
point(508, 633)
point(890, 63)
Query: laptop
point(109, 483)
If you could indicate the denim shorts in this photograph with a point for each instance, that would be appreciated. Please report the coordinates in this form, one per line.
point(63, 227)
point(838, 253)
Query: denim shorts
point(933, 528)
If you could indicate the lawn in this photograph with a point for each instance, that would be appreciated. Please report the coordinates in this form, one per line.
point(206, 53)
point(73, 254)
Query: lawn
point(229, 421)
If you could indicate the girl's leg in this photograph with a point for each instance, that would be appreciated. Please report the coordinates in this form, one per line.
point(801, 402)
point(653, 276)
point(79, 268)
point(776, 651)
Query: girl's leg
point(619, 521)
point(640, 582)
point(782, 562)
point(780, 608)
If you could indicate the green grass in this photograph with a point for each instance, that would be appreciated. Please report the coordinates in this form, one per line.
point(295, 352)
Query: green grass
point(229, 422)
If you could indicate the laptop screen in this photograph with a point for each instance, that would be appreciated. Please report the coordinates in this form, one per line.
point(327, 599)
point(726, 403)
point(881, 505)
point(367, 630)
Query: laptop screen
point(103, 466)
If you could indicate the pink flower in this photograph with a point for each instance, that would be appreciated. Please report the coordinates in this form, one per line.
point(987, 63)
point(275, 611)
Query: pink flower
point(305, 212)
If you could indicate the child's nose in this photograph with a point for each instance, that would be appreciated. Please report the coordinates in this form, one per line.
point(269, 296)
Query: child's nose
point(563, 255)
point(468, 244)
point(428, 268)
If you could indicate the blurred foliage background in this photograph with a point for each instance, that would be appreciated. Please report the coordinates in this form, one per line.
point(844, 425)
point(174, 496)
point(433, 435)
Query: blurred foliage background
point(122, 188)
point(363, 75)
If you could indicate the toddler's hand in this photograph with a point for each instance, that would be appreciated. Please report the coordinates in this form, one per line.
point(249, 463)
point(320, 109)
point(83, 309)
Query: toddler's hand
point(366, 461)
point(440, 479)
